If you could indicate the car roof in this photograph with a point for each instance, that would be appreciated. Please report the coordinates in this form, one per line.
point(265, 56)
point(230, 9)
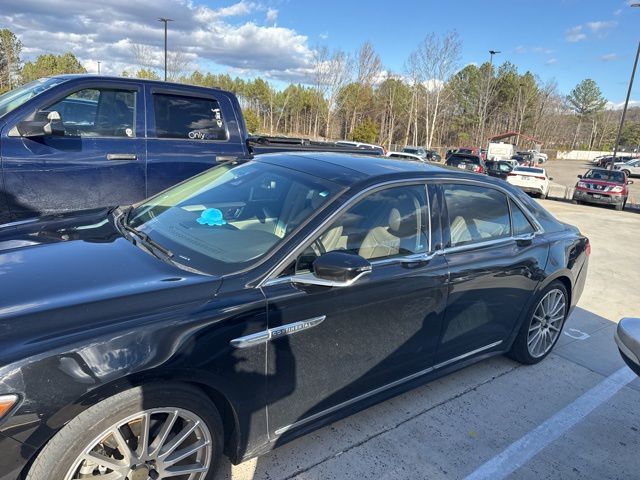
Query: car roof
point(350, 169)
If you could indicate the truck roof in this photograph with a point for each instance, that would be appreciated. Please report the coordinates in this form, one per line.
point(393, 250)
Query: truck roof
point(78, 76)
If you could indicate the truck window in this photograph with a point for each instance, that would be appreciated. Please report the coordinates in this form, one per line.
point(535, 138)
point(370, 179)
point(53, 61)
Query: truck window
point(97, 112)
point(188, 118)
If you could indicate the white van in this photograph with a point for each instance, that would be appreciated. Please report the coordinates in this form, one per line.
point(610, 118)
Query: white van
point(500, 151)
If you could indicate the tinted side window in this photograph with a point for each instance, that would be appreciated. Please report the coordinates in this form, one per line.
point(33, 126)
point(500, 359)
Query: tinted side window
point(476, 214)
point(521, 225)
point(188, 117)
point(97, 112)
point(389, 223)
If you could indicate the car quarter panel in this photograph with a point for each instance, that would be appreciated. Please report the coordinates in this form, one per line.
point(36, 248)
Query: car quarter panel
point(186, 338)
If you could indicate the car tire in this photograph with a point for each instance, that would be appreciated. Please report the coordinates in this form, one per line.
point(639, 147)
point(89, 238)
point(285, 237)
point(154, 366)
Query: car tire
point(175, 408)
point(528, 348)
point(627, 173)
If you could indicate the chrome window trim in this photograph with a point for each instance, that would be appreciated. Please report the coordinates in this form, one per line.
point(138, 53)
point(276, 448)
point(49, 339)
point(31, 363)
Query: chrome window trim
point(381, 389)
point(272, 277)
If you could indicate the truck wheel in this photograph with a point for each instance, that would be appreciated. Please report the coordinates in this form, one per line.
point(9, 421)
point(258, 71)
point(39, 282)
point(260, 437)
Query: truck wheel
point(153, 431)
point(542, 327)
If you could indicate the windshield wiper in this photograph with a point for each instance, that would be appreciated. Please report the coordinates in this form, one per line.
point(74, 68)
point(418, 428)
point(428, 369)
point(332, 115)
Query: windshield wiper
point(140, 237)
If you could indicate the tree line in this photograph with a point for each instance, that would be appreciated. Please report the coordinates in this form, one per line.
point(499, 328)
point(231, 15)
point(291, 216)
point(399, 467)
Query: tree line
point(434, 101)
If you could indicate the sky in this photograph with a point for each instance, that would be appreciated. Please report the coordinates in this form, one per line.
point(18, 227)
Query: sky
point(565, 40)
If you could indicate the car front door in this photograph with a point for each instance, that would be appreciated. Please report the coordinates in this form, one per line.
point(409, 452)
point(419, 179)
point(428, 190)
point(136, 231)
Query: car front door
point(348, 343)
point(496, 261)
point(98, 161)
point(188, 133)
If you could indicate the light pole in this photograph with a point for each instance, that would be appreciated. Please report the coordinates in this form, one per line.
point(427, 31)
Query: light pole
point(626, 104)
point(165, 21)
point(486, 98)
point(99, 67)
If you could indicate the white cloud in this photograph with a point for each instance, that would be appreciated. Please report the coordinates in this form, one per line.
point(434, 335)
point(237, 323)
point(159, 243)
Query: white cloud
point(596, 27)
point(609, 57)
point(323, 36)
point(579, 32)
point(551, 61)
point(617, 12)
point(272, 15)
point(231, 36)
point(575, 34)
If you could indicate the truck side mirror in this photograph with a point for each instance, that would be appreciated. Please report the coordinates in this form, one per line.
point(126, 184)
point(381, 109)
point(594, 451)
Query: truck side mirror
point(44, 124)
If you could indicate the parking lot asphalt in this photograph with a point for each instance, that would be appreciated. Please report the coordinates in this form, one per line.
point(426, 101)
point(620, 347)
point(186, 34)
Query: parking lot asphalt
point(574, 415)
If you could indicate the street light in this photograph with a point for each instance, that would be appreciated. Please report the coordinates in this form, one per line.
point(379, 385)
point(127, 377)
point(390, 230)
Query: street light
point(626, 104)
point(486, 98)
point(165, 21)
point(99, 67)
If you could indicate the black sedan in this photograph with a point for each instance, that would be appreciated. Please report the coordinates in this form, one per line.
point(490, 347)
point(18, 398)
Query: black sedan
point(258, 301)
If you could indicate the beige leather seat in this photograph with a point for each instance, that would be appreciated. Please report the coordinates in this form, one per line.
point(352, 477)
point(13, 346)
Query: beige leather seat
point(389, 240)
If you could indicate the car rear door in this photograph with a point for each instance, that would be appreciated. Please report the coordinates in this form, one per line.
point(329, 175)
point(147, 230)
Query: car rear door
point(98, 162)
point(495, 258)
point(189, 131)
point(346, 344)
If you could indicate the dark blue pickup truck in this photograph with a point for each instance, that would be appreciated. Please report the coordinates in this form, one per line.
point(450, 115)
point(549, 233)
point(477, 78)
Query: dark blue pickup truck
point(74, 142)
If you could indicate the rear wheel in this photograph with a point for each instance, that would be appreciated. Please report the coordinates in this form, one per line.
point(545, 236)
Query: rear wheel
point(151, 432)
point(541, 330)
point(627, 173)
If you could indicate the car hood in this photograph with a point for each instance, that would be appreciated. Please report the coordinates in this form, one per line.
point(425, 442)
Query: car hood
point(74, 260)
point(601, 182)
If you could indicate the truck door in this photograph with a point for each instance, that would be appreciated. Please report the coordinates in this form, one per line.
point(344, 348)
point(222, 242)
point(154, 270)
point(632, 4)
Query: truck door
point(99, 161)
point(189, 131)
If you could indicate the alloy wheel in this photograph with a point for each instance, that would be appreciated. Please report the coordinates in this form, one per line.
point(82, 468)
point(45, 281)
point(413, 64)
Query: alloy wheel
point(153, 444)
point(546, 323)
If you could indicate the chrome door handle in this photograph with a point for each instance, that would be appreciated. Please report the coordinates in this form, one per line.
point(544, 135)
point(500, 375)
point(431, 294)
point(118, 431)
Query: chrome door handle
point(122, 156)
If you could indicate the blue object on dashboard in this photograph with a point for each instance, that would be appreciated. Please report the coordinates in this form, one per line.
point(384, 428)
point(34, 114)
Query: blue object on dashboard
point(211, 217)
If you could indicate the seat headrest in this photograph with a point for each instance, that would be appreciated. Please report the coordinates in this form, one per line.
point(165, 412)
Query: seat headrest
point(403, 222)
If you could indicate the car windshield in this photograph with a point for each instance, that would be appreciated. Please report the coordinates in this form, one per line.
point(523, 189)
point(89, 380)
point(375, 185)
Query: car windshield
point(614, 176)
point(538, 171)
point(14, 98)
point(230, 216)
point(415, 151)
point(456, 159)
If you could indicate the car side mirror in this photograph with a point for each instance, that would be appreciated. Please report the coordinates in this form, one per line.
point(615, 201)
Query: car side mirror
point(629, 182)
point(44, 124)
point(335, 269)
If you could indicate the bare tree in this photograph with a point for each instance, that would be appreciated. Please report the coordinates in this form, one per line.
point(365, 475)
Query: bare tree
point(178, 63)
point(437, 60)
point(331, 74)
point(368, 67)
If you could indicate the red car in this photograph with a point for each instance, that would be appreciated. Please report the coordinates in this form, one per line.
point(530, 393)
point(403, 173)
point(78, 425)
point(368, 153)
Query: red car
point(605, 187)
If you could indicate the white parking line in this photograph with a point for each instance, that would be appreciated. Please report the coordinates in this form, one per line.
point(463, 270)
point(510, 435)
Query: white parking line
point(527, 447)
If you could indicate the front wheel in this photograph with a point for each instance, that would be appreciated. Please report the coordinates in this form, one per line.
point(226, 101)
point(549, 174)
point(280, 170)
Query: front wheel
point(148, 432)
point(541, 329)
point(627, 173)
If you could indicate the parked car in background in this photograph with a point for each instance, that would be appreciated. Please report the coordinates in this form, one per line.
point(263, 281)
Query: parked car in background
point(419, 151)
point(480, 152)
point(72, 142)
point(603, 187)
point(433, 156)
point(620, 160)
point(532, 180)
point(498, 168)
point(627, 337)
point(259, 301)
point(525, 159)
point(405, 156)
point(538, 156)
point(473, 163)
point(630, 168)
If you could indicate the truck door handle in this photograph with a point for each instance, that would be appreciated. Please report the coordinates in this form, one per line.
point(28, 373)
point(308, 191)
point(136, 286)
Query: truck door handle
point(122, 156)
